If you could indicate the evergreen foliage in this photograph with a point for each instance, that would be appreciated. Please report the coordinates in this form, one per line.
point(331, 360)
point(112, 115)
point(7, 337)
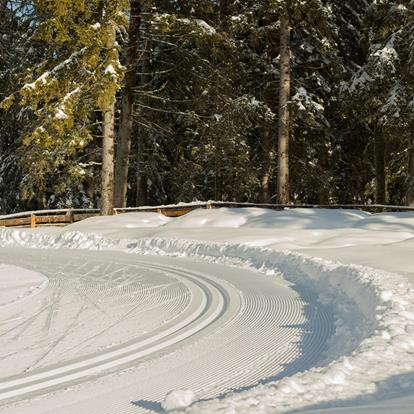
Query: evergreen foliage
point(204, 80)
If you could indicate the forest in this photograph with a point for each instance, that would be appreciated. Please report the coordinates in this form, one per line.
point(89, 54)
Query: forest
point(114, 103)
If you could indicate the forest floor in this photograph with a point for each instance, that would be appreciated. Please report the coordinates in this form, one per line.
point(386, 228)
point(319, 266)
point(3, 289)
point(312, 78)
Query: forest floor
point(244, 310)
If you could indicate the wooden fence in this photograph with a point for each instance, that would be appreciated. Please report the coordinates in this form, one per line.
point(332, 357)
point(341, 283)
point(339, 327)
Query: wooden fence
point(67, 216)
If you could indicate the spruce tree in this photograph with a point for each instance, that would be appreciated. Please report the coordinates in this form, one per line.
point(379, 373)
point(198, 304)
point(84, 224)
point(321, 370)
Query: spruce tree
point(382, 89)
point(79, 74)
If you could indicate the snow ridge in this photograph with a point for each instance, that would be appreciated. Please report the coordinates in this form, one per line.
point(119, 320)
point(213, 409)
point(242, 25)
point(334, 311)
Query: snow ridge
point(373, 340)
point(374, 323)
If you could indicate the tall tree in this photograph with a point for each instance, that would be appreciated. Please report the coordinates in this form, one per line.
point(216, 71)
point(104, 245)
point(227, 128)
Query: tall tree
point(382, 88)
point(79, 74)
point(132, 56)
point(284, 96)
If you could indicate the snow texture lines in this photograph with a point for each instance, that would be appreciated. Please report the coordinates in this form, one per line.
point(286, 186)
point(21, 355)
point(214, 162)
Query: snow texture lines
point(168, 318)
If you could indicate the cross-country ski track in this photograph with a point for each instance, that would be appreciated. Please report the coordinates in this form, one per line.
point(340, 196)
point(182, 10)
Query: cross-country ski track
point(146, 325)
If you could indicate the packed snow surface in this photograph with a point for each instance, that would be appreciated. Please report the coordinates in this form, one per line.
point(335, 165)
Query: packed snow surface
point(213, 303)
point(16, 284)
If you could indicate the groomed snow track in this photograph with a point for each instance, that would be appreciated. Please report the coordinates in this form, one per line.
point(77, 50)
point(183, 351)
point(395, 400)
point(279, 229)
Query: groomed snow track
point(190, 318)
point(261, 330)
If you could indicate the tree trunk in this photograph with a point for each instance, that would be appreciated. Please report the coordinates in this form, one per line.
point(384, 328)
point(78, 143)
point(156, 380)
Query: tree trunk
point(127, 108)
point(267, 166)
point(380, 167)
point(224, 5)
point(142, 189)
point(107, 174)
point(107, 186)
point(284, 96)
point(410, 189)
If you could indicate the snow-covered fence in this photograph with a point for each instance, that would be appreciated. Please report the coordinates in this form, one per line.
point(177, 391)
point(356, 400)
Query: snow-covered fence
point(46, 217)
point(67, 216)
point(184, 208)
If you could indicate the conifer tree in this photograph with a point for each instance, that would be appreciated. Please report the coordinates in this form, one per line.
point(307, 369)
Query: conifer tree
point(132, 57)
point(284, 96)
point(79, 74)
point(382, 88)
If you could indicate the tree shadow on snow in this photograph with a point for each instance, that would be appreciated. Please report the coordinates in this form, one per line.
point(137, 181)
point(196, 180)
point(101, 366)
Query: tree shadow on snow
point(312, 344)
point(149, 405)
point(311, 347)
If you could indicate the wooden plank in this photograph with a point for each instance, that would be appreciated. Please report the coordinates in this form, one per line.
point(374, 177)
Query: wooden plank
point(20, 222)
point(64, 219)
point(178, 212)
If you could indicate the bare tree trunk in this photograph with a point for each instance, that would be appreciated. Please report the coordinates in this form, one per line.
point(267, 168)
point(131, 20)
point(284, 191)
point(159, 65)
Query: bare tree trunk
point(284, 96)
point(127, 108)
point(107, 174)
point(410, 189)
point(267, 166)
point(107, 186)
point(380, 167)
point(142, 189)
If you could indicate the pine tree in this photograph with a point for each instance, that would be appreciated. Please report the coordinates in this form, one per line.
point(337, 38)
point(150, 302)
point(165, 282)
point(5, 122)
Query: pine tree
point(382, 89)
point(284, 96)
point(79, 74)
point(17, 53)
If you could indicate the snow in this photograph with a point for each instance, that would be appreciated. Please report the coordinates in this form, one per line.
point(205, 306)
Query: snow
point(41, 79)
point(200, 23)
point(204, 25)
point(110, 70)
point(16, 284)
point(177, 400)
point(102, 225)
point(368, 357)
point(60, 114)
point(304, 101)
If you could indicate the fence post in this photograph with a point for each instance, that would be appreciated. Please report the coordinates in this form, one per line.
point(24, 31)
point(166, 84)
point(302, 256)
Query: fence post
point(71, 216)
point(33, 221)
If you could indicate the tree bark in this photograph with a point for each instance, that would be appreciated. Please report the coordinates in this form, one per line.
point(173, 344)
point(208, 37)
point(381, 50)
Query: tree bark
point(283, 195)
point(380, 168)
point(107, 174)
point(410, 189)
point(266, 167)
point(107, 186)
point(224, 6)
point(127, 108)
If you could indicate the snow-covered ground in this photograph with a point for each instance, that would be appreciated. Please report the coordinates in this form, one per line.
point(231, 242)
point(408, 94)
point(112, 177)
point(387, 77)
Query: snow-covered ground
point(213, 304)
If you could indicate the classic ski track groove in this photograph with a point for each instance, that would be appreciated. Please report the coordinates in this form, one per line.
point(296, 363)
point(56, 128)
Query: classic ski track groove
point(219, 325)
point(205, 314)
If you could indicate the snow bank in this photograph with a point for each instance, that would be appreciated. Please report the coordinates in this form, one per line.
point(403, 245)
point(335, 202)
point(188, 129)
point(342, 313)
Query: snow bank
point(300, 218)
point(374, 319)
point(40, 240)
point(374, 326)
point(119, 222)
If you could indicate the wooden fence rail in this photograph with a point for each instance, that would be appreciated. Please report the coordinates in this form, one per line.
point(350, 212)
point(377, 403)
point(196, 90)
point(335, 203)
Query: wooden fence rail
point(67, 216)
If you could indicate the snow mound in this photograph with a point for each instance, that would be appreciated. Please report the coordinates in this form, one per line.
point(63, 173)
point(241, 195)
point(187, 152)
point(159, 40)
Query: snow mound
point(223, 217)
point(301, 218)
point(70, 240)
point(178, 400)
point(119, 222)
